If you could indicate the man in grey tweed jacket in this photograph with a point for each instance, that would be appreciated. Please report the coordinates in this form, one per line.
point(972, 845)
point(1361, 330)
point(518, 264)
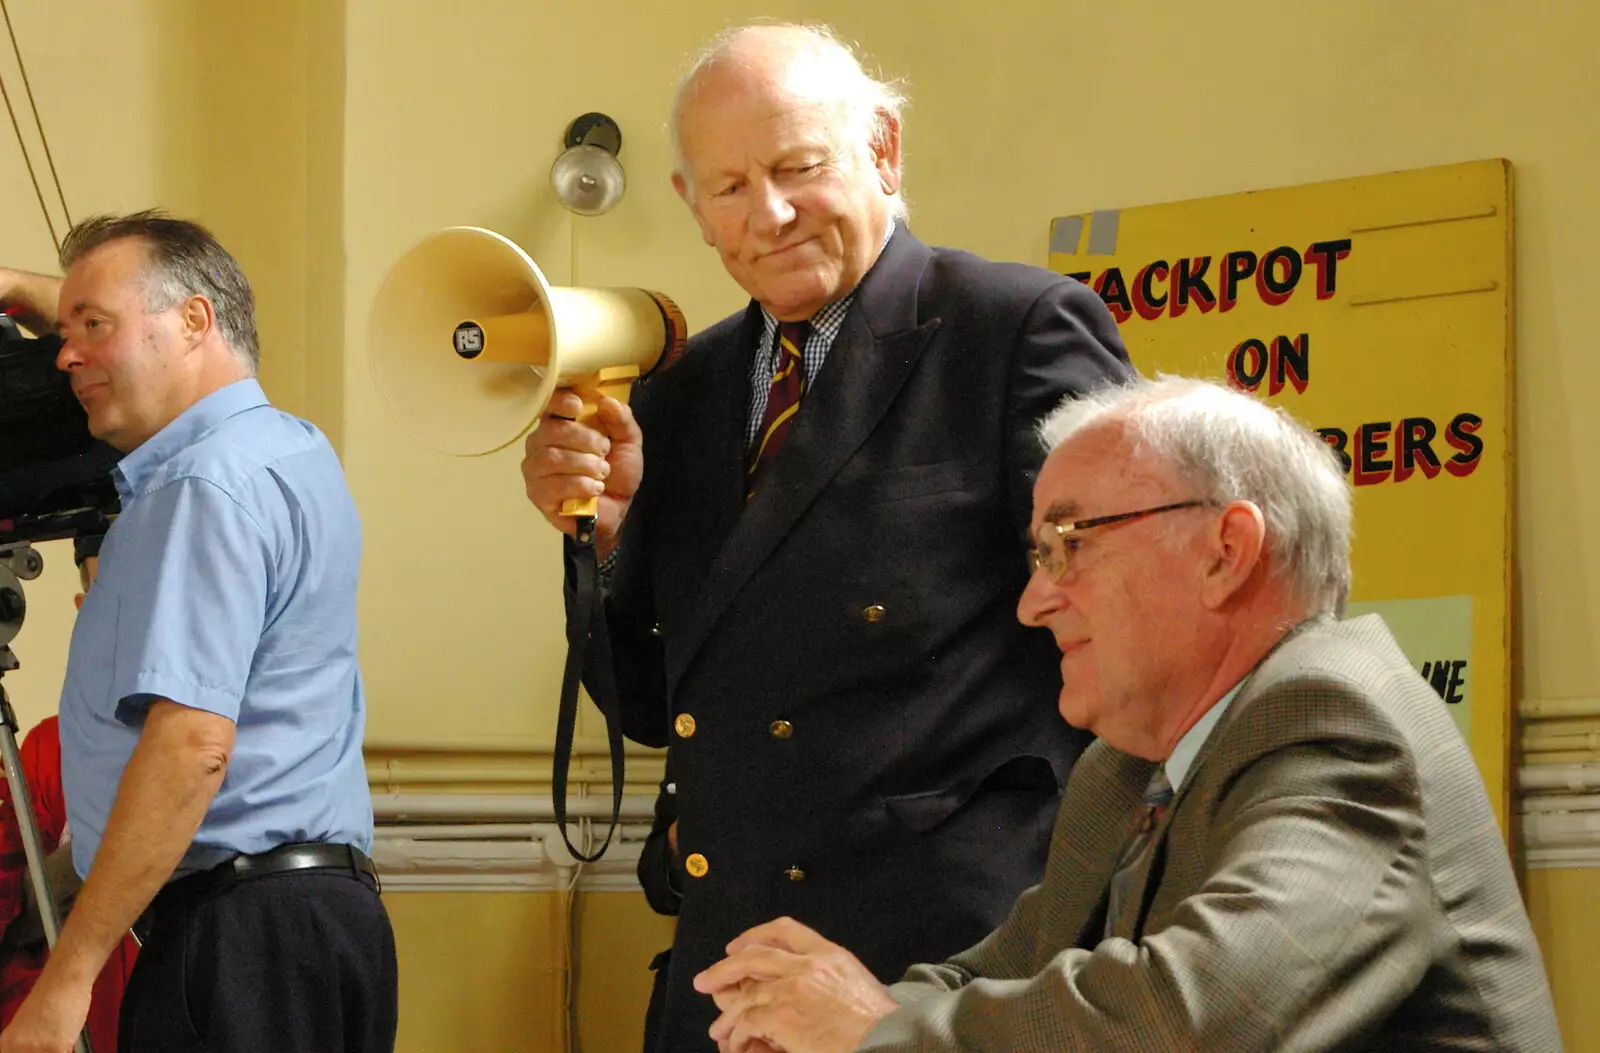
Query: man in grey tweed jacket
point(1279, 842)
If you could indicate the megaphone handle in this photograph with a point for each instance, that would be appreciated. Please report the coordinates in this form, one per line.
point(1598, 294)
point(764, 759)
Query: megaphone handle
point(610, 382)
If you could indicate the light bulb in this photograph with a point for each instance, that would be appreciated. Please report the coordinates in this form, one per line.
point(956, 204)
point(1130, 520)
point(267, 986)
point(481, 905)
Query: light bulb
point(588, 180)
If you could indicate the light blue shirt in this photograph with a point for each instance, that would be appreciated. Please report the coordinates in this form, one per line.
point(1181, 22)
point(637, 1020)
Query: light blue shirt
point(1188, 747)
point(227, 584)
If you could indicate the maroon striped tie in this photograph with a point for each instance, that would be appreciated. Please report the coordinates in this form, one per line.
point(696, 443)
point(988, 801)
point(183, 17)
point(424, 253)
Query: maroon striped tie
point(783, 400)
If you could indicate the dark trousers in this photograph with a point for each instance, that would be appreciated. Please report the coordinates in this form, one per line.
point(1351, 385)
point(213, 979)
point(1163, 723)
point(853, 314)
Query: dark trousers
point(296, 962)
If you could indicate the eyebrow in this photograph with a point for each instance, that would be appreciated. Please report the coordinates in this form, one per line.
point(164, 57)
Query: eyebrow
point(77, 309)
point(1067, 510)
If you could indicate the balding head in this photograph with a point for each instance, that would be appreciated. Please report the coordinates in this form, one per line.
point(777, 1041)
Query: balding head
point(804, 59)
point(789, 158)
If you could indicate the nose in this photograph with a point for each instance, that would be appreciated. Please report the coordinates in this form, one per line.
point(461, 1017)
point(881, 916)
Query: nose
point(69, 357)
point(771, 211)
point(1040, 599)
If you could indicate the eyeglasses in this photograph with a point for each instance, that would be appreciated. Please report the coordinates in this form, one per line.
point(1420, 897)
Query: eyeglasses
point(1057, 541)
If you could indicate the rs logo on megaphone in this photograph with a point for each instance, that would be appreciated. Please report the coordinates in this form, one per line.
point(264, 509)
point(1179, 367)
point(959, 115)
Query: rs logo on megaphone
point(469, 339)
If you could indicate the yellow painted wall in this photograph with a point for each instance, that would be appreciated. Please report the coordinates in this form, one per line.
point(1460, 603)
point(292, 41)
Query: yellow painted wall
point(117, 104)
point(206, 110)
point(1567, 923)
point(485, 970)
point(1021, 111)
point(454, 116)
point(322, 137)
point(448, 1000)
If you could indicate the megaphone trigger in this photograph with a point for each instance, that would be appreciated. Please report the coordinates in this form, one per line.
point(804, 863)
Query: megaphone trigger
point(581, 506)
point(614, 382)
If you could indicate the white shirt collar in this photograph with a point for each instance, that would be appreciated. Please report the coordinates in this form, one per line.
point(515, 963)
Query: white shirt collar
point(1188, 747)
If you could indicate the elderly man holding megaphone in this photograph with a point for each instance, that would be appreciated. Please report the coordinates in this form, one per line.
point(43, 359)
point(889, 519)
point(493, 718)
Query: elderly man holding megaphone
point(814, 525)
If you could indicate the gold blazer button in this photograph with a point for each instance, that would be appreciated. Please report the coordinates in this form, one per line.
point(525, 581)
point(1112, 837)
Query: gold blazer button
point(794, 874)
point(781, 729)
point(696, 865)
point(875, 613)
point(684, 726)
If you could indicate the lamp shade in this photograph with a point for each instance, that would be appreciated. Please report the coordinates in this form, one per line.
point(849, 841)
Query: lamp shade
point(588, 180)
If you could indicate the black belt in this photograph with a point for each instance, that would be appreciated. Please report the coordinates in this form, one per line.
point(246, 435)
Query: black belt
point(296, 857)
point(283, 859)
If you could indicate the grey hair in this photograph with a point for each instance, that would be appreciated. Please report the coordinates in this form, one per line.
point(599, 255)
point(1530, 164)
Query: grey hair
point(1228, 446)
point(182, 259)
point(872, 103)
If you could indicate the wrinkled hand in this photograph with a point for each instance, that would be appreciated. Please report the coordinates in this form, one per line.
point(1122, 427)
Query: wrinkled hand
point(785, 989)
point(49, 1020)
point(566, 460)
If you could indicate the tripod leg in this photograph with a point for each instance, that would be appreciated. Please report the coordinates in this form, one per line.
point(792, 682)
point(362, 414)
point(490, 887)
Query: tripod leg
point(22, 806)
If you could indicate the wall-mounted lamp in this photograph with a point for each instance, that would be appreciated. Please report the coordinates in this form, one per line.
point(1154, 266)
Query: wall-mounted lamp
point(587, 177)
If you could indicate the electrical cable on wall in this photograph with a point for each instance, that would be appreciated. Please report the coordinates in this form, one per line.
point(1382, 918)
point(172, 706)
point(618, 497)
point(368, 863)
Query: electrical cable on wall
point(570, 964)
point(22, 144)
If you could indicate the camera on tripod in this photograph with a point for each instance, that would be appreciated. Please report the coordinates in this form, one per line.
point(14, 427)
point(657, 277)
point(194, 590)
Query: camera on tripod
point(55, 478)
point(55, 482)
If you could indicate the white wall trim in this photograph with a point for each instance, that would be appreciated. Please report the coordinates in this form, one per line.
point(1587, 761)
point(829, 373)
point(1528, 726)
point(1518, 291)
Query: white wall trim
point(1558, 708)
point(472, 850)
point(539, 882)
point(487, 842)
point(1571, 857)
point(504, 807)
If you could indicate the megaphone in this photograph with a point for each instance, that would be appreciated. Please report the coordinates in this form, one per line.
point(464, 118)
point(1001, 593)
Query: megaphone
point(469, 341)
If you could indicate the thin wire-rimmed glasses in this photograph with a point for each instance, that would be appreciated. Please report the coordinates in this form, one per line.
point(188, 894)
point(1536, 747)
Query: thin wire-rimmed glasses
point(1056, 541)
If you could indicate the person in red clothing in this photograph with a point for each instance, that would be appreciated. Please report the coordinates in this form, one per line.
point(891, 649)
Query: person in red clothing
point(22, 944)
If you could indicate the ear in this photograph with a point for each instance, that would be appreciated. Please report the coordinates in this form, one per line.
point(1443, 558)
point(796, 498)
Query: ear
point(682, 187)
point(885, 148)
point(1234, 548)
point(77, 601)
point(197, 319)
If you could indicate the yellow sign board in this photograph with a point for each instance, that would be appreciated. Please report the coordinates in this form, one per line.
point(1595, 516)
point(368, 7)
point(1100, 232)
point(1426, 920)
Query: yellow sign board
point(1378, 310)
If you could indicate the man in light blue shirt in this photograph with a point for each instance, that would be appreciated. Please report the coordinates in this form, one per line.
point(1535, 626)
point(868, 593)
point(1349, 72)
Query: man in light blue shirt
point(212, 715)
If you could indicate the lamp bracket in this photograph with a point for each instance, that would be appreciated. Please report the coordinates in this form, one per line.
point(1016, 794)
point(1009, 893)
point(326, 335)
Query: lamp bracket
point(594, 129)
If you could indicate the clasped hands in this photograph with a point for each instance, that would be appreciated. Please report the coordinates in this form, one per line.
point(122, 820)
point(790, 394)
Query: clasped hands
point(784, 989)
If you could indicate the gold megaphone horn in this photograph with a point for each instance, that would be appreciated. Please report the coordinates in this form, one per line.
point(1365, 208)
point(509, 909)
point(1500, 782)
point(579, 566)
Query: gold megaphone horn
point(468, 342)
